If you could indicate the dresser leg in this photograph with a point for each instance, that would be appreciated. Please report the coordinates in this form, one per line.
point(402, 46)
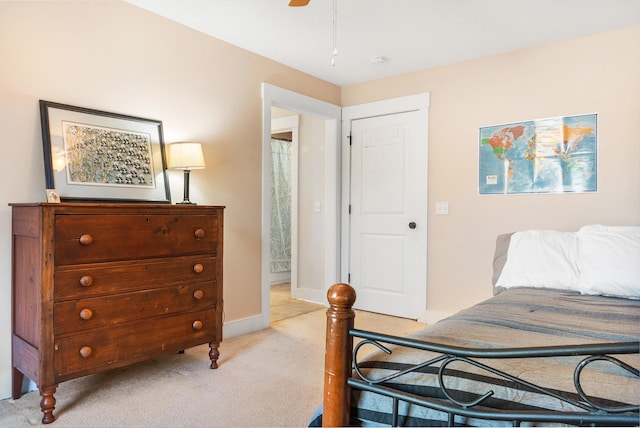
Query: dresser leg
point(48, 403)
point(214, 353)
point(17, 378)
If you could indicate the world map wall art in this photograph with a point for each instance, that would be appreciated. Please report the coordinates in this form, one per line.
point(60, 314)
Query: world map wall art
point(550, 155)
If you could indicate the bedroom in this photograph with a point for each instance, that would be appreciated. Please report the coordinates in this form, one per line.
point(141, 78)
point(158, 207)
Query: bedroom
point(207, 90)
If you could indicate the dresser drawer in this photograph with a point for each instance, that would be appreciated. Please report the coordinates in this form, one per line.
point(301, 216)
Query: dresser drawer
point(96, 238)
point(105, 347)
point(108, 278)
point(85, 314)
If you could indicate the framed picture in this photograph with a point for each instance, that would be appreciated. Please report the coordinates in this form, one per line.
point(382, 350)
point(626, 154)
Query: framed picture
point(52, 196)
point(92, 155)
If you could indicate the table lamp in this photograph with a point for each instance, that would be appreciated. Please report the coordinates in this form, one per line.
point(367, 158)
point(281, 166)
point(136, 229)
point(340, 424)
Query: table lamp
point(186, 156)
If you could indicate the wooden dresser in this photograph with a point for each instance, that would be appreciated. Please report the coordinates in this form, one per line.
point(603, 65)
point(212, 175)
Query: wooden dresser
point(100, 286)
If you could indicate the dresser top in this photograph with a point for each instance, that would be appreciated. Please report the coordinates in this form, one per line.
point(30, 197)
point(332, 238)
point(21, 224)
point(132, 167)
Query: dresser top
point(91, 205)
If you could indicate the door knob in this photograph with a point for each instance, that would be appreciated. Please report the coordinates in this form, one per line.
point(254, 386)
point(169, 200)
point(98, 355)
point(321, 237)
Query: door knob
point(412, 225)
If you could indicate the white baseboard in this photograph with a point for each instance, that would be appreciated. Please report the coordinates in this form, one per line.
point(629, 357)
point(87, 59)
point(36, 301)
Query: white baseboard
point(5, 384)
point(244, 326)
point(279, 278)
point(313, 296)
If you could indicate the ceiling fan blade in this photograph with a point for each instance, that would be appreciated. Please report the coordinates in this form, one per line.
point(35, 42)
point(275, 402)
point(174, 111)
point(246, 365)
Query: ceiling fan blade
point(295, 3)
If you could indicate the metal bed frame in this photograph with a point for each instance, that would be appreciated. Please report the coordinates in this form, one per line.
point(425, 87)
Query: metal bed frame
point(341, 359)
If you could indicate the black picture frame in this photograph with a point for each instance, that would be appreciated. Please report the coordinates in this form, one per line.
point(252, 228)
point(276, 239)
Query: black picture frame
point(98, 156)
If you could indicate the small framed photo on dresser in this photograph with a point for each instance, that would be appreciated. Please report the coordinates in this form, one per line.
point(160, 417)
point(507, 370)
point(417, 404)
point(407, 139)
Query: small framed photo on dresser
point(52, 196)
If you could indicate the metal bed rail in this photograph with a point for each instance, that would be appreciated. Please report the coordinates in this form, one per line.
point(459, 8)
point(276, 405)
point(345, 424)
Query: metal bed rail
point(592, 414)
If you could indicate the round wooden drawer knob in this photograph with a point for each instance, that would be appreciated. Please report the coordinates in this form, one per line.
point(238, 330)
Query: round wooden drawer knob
point(199, 233)
point(198, 268)
point(86, 314)
point(86, 239)
point(197, 325)
point(86, 280)
point(198, 294)
point(85, 351)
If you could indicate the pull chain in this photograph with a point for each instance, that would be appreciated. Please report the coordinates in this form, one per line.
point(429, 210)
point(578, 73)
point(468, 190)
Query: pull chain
point(335, 33)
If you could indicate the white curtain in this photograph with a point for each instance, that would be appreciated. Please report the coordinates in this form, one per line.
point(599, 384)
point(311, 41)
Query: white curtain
point(280, 205)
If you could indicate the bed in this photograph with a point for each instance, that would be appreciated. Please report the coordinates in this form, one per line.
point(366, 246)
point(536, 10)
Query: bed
point(558, 343)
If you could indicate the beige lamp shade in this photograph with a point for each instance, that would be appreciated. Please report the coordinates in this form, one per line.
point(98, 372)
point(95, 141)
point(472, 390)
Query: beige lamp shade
point(186, 156)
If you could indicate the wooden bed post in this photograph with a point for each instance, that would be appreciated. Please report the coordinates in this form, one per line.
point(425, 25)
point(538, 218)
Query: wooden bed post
point(337, 363)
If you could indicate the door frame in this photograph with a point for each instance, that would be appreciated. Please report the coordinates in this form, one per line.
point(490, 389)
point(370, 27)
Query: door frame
point(417, 102)
point(274, 96)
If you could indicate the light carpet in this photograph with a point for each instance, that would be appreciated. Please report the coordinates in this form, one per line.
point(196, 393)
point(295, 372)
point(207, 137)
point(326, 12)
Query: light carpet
point(270, 378)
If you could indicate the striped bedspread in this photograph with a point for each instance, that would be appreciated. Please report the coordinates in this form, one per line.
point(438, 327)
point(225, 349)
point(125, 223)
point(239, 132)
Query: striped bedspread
point(517, 317)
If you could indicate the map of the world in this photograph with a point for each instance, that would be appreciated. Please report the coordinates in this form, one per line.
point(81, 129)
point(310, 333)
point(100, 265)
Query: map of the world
point(540, 156)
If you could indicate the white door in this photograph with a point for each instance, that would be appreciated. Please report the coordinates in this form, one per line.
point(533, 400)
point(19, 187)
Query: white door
point(388, 202)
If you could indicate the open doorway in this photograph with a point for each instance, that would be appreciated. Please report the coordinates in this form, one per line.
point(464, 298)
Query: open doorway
point(315, 244)
point(292, 225)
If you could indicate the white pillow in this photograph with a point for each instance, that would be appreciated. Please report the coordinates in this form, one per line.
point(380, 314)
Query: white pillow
point(541, 259)
point(609, 260)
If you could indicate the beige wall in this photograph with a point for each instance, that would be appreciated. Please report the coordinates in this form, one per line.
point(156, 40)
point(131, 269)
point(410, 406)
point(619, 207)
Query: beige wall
point(597, 74)
point(115, 57)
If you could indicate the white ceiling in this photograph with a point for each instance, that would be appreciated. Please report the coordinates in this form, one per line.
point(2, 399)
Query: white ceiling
point(410, 34)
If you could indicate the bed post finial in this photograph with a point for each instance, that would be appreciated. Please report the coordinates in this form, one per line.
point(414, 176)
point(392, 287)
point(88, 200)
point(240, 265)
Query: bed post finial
point(337, 365)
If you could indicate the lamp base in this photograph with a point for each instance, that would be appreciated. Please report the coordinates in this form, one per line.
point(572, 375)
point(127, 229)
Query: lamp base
point(185, 199)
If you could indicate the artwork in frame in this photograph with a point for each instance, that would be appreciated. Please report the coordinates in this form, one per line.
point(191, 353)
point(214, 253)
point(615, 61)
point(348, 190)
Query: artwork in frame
point(93, 155)
point(553, 155)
